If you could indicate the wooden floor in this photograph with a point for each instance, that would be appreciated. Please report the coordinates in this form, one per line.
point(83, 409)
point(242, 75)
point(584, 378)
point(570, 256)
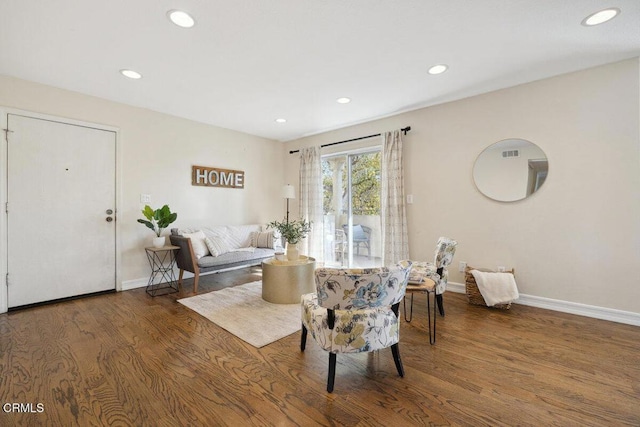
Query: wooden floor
point(130, 359)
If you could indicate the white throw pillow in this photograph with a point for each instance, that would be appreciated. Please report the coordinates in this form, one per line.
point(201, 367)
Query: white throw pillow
point(216, 246)
point(197, 243)
point(262, 239)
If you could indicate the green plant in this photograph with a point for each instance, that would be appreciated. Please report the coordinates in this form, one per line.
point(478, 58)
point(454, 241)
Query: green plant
point(365, 184)
point(292, 231)
point(159, 219)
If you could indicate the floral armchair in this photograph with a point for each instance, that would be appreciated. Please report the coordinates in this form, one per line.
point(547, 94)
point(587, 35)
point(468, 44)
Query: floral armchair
point(355, 310)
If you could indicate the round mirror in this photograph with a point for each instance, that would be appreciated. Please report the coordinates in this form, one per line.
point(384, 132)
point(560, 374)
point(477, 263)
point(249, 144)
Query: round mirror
point(510, 170)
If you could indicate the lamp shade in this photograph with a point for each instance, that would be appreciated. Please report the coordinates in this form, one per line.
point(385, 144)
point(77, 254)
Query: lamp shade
point(288, 192)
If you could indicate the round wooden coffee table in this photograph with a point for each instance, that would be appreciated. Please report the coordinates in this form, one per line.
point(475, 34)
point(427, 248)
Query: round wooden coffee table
point(284, 282)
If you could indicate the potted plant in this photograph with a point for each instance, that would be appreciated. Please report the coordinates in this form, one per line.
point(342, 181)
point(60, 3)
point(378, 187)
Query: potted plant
point(293, 232)
point(157, 220)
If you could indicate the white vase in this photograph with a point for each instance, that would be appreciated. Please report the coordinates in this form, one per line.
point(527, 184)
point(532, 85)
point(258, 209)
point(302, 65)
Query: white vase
point(158, 242)
point(292, 252)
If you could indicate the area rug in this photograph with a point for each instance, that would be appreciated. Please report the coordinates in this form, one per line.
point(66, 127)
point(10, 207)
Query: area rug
point(242, 311)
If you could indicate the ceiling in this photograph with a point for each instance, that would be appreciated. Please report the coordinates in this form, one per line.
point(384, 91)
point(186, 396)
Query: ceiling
point(248, 62)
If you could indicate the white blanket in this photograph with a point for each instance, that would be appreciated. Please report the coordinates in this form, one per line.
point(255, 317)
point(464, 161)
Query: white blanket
point(496, 288)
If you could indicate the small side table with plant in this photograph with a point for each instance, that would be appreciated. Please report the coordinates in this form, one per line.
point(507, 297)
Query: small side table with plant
point(157, 220)
point(161, 258)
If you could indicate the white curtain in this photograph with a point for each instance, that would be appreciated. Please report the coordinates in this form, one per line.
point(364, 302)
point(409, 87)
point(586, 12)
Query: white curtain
point(395, 239)
point(311, 201)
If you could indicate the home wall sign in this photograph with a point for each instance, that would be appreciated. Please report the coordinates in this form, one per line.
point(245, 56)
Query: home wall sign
point(215, 177)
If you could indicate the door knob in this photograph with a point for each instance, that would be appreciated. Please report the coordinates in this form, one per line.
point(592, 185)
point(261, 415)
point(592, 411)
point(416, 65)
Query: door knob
point(109, 219)
point(109, 211)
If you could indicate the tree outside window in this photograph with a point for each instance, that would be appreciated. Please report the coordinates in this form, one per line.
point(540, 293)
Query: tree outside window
point(365, 183)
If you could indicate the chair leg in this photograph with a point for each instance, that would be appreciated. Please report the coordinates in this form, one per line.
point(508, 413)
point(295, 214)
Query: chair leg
point(404, 308)
point(180, 278)
point(440, 302)
point(332, 372)
point(432, 335)
point(396, 358)
point(303, 338)
point(196, 278)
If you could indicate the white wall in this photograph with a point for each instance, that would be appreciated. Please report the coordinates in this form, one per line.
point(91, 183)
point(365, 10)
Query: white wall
point(575, 240)
point(157, 152)
point(578, 238)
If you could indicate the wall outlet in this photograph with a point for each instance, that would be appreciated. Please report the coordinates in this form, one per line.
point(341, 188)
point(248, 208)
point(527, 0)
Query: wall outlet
point(462, 266)
point(501, 269)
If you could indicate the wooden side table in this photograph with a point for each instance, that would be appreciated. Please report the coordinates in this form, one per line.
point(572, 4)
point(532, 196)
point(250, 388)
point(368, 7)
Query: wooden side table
point(162, 261)
point(420, 283)
point(284, 282)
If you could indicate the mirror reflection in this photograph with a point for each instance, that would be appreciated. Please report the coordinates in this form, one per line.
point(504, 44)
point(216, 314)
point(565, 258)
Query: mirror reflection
point(510, 170)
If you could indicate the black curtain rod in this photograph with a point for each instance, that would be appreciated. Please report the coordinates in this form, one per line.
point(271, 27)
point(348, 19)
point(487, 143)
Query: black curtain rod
point(404, 131)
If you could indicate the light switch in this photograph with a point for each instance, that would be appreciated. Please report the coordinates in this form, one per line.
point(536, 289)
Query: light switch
point(145, 198)
point(409, 199)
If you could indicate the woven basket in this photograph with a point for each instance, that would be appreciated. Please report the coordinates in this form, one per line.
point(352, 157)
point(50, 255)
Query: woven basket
point(473, 293)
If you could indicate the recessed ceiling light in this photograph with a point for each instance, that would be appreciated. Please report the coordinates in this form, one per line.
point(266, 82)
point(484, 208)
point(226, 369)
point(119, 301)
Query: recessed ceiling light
point(600, 17)
point(131, 74)
point(344, 100)
point(181, 18)
point(281, 120)
point(438, 69)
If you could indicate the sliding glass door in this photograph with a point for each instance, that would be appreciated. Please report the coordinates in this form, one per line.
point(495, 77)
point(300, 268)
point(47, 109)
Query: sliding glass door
point(352, 209)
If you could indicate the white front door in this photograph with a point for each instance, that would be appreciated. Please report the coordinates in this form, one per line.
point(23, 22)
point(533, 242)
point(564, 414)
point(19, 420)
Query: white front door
point(60, 190)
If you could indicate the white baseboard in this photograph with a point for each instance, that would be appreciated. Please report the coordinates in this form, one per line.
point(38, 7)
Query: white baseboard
point(458, 288)
point(127, 285)
point(593, 311)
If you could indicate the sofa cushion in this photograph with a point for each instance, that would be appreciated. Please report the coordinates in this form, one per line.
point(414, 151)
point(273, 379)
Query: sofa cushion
point(197, 243)
point(240, 235)
point(234, 257)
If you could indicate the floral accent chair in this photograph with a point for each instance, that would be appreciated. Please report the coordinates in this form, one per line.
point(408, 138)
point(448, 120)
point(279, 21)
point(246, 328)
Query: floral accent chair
point(355, 310)
point(436, 271)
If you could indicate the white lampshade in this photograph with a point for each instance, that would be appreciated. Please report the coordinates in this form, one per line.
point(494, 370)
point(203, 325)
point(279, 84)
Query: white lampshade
point(288, 192)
